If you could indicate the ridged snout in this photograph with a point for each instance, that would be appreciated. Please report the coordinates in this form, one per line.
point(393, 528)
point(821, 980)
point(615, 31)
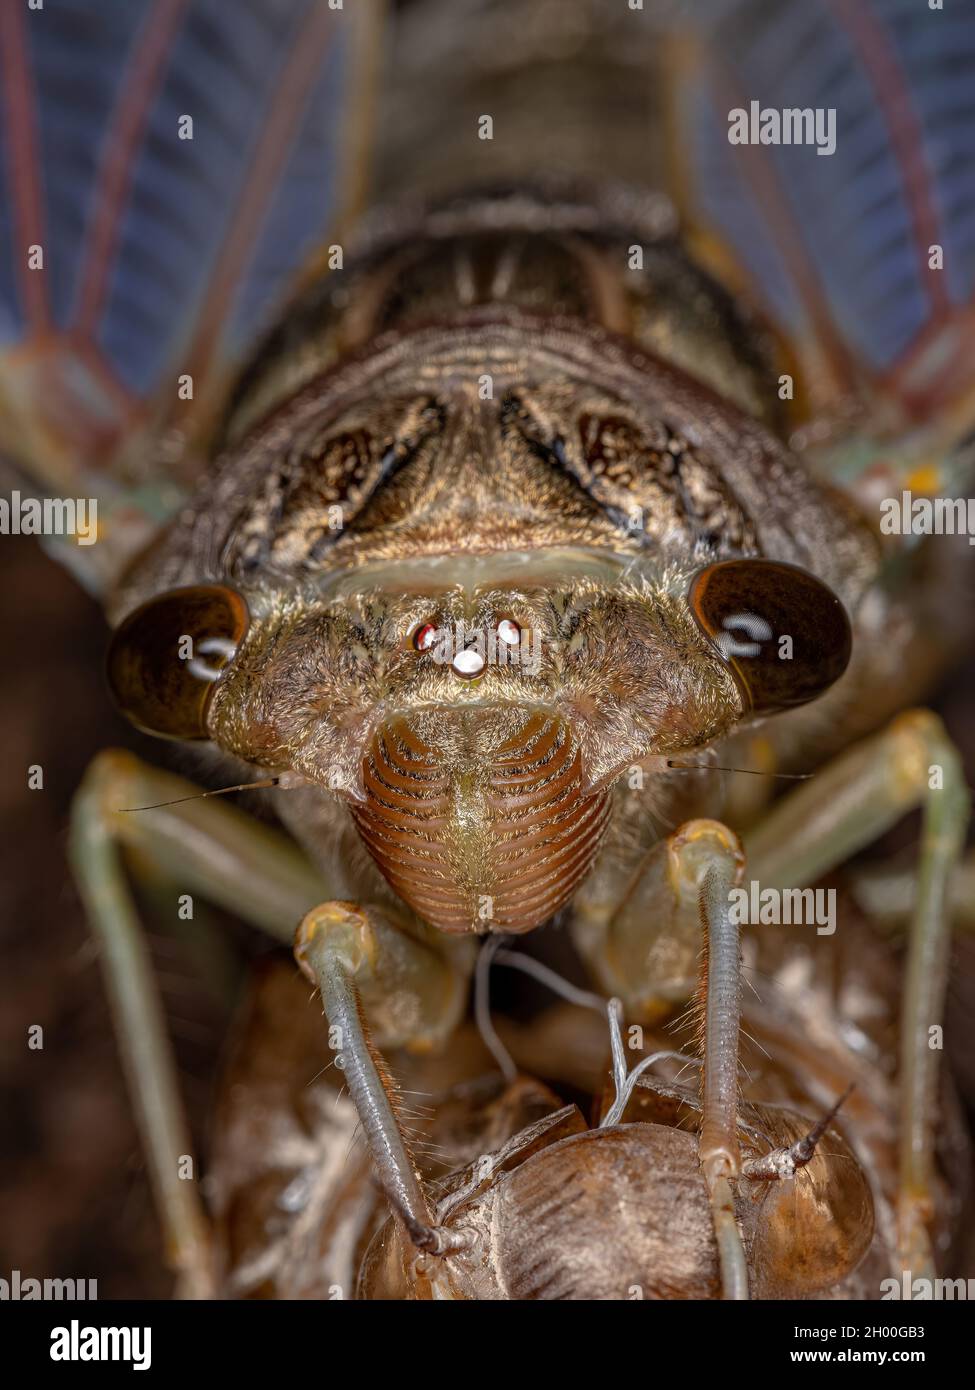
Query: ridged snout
point(478, 818)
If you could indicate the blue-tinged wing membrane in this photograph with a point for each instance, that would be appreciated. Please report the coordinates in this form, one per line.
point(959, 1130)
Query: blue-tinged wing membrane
point(176, 161)
point(163, 256)
point(837, 248)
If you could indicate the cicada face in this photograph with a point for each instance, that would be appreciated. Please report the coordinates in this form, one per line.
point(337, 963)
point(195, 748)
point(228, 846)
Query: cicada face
point(490, 566)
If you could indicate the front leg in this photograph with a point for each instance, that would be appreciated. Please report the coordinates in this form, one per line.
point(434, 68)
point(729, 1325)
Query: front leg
point(216, 850)
point(646, 950)
point(641, 945)
point(643, 941)
point(357, 959)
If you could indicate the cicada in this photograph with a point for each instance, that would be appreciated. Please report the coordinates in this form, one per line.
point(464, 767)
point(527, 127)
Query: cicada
point(529, 454)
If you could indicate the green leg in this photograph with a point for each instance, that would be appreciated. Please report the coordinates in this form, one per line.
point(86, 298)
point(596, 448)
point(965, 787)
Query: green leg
point(645, 949)
point(353, 954)
point(852, 801)
point(887, 893)
point(641, 943)
point(718, 1141)
point(644, 945)
point(207, 846)
point(219, 852)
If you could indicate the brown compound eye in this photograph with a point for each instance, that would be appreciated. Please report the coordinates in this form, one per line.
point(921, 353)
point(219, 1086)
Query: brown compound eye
point(166, 657)
point(784, 633)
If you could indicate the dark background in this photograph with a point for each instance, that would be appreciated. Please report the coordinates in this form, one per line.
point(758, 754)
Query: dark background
point(74, 1199)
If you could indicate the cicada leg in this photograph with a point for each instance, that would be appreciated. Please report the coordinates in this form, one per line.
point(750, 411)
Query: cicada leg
point(645, 948)
point(849, 803)
point(640, 944)
point(226, 856)
point(718, 1141)
point(887, 892)
point(355, 956)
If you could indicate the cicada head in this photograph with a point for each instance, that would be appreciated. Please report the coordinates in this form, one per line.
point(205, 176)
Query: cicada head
point(468, 611)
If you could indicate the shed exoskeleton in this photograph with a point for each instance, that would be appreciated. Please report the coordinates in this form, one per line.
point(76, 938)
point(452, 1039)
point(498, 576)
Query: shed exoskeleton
point(601, 1199)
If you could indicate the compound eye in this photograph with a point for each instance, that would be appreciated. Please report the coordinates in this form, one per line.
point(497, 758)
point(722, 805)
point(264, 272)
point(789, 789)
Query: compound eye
point(166, 657)
point(784, 634)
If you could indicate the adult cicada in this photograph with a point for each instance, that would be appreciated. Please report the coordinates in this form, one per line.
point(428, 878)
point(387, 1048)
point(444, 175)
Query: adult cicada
point(568, 549)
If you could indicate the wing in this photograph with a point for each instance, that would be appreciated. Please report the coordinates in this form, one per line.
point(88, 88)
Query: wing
point(863, 257)
point(166, 167)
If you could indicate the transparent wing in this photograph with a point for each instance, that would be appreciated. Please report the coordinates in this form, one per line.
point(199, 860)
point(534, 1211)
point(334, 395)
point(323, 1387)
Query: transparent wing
point(165, 167)
point(863, 257)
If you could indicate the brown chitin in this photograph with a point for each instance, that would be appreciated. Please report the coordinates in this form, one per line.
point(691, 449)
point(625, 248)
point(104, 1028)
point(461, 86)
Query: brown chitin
point(584, 404)
point(471, 841)
point(490, 418)
point(482, 802)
